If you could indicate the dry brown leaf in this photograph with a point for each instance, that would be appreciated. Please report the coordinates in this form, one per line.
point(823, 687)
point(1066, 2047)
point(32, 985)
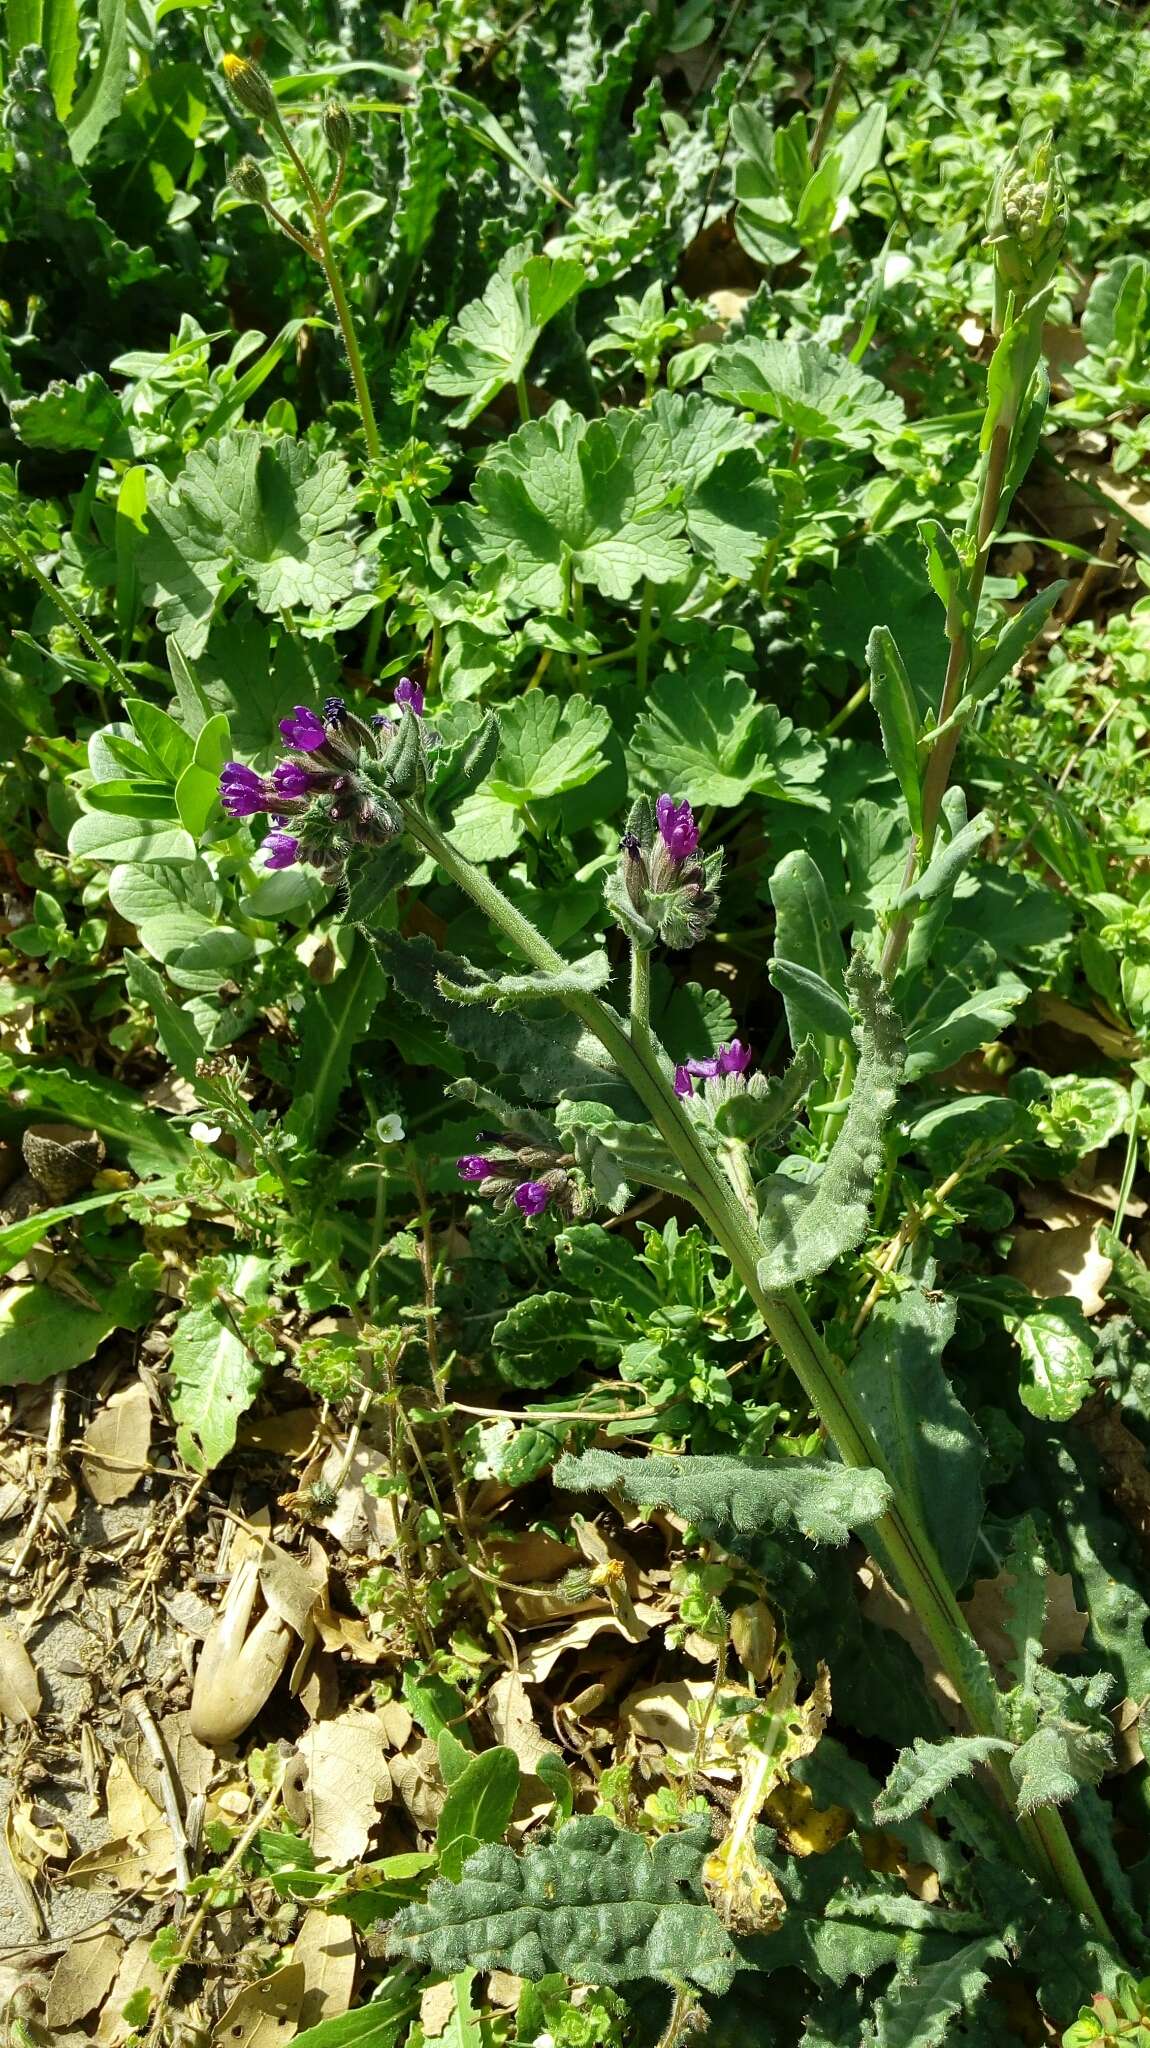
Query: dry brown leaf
point(82, 1978)
point(240, 1662)
point(436, 2006)
point(192, 1764)
point(19, 1682)
point(361, 1522)
point(513, 1723)
point(887, 1609)
point(290, 1433)
point(538, 1662)
point(290, 1588)
point(137, 1972)
point(347, 1782)
point(121, 1431)
point(1062, 1260)
point(325, 1950)
point(803, 1828)
point(1063, 1631)
point(417, 1782)
point(264, 2014)
point(137, 1855)
point(32, 1843)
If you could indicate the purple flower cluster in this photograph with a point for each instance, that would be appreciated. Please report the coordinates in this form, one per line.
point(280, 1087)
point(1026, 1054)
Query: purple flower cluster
point(498, 1176)
point(664, 887)
point(326, 751)
point(677, 828)
point(734, 1058)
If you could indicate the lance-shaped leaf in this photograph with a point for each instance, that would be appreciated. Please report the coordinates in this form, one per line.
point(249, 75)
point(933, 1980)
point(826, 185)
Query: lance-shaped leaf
point(806, 1228)
point(519, 991)
point(824, 1501)
point(953, 854)
point(597, 1903)
point(806, 936)
point(923, 1773)
point(894, 701)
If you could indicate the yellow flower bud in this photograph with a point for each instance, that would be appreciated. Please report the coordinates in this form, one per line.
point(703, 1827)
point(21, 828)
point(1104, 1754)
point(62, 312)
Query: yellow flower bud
point(250, 87)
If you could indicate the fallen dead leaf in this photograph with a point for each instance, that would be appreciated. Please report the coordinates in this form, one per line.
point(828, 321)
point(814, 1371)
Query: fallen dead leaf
point(887, 1609)
point(82, 1978)
point(264, 2014)
point(121, 1431)
point(1062, 1260)
point(325, 1950)
point(19, 1682)
point(513, 1723)
point(137, 1972)
point(32, 1843)
point(416, 1779)
point(538, 1662)
point(803, 1828)
point(137, 1855)
point(347, 1782)
point(362, 1522)
point(1063, 1630)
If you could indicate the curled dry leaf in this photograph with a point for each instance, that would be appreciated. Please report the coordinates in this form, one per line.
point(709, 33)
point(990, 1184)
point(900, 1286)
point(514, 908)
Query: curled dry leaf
point(347, 1782)
point(32, 1841)
point(239, 1663)
point(1063, 1259)
point(1063, 1629)
point(19, 1682)
point(121, 1434)
point(137, 1972)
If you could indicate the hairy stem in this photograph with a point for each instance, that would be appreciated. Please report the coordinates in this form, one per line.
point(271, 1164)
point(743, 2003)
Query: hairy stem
point(329, 263)
point(899, 1536)
point(68, 611)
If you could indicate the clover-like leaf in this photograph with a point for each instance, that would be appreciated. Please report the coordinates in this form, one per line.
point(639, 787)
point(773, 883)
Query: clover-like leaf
point(273, 511)
point(730, 507)
point(491, 342)
point(819, 395)
point(547, 747)
point(587, 498)
point(710, 736)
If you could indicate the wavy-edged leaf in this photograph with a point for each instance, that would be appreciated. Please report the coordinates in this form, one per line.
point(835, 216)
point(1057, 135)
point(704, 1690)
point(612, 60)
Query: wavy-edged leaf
point(824, 1501)
point(597, 1903)
point(923, 1773)
point(924, 1998)
point(806, 1228)
point(519, 991)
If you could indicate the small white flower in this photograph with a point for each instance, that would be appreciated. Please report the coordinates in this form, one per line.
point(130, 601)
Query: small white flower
point(205, 1134)
point(389, 1129)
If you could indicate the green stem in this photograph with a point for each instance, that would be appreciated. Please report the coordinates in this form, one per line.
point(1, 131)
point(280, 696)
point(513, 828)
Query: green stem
point(899, 1536)
point(524, 403)
point(68, 611)
point(331, 270)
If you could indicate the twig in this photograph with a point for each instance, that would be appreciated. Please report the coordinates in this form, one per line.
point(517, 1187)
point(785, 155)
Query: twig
point(52, 1447)
point(217, 1881)
point(141, 1713)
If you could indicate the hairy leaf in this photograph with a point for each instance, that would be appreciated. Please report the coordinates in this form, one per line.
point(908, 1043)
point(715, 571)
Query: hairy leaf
point(818, 394)
point(823, 1501)
point(491, 343)
point(805, 1229)
point(923, 1773)
point(917, 2010)
point(597, 1903)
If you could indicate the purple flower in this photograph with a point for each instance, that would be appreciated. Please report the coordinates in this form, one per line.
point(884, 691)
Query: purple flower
point(282, 849)
point(408, 694)
point(532, 1197)
point(290, 780)
point(304, 729)
point(734, 1058)
point(380, 723)
point(334, 710)
point(677, 827)
point(242, 791)
point(473, 1166)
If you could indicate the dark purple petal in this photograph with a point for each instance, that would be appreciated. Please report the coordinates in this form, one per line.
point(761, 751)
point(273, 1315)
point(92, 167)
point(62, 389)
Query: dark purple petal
point(677, 827)
point(380, 722)
point(473, 1166)
point(532, 1197)
point(408, 694)
point(683, 1082)
point(242, 791)
point(290, 780)
point(734, 1058)
point(304, 729)
point(705, 1069)
point(334, 710)
point(282, 850)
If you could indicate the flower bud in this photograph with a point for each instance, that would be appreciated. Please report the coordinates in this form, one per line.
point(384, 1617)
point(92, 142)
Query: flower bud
point(250, 87)
point(1027, 220)
point(337, 127)
point(248, 180)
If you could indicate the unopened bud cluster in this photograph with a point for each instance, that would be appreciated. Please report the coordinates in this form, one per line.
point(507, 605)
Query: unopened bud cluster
point(520, 1172)
point(663, 888)
point(1027, 220)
